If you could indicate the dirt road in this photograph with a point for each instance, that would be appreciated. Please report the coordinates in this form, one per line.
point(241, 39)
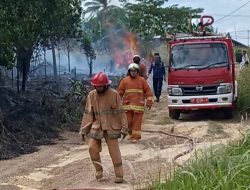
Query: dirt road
point(66, 163)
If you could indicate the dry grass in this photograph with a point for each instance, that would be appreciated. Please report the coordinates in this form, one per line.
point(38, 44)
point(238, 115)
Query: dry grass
point(164, 121)
point(216, 129)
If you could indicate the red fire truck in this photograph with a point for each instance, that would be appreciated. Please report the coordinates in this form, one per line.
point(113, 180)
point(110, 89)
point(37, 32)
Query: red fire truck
point(201, 72)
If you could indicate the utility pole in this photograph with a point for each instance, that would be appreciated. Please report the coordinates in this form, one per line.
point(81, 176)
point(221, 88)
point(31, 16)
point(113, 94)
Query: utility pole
point(235, 32)
point(248, 38)
point(59, 63)
point(44, 60)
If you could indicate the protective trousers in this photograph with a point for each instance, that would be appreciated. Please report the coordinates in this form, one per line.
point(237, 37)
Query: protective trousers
point(95, 147)
point(157, 85)
point(134, 124)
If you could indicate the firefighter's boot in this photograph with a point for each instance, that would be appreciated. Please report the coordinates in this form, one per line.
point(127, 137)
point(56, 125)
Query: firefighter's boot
point(94, 151)
point(115, 154)
point(118, 173)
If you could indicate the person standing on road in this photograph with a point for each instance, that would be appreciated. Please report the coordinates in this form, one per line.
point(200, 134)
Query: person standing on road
point(159, 74)
point(244, 60)
point(142, 66)
point(104, 118)
point(135, 92)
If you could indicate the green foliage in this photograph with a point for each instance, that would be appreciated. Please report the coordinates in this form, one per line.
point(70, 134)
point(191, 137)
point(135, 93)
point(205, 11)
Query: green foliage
point(244, 89)
point(144, 17)
point(89, 50)
point(27, 23)
point(74, 102)
point(225, 168)
point(95, 6)
point(102, 18)
point(148, 18)
point(112, 16)
point(7, 58)
point(93, 28)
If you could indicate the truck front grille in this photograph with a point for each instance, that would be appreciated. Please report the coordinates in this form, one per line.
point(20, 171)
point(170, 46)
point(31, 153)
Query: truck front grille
point(199, 90)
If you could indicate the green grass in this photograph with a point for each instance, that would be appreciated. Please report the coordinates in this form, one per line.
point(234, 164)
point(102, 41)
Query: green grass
point(221, 167)
point(243, 89)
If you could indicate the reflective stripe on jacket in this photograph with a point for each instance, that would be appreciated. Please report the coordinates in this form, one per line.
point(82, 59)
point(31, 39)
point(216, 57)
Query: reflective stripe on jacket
point(103, 112)
point(134, 91)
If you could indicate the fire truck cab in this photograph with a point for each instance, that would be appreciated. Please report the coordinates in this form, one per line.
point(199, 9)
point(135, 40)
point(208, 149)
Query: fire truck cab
point(201, 73)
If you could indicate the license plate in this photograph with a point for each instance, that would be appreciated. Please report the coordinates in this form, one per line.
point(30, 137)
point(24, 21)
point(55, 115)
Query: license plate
point(199, 100)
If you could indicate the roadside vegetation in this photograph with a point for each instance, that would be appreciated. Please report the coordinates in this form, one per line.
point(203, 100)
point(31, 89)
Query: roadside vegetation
point(243, 103)
point(221, 167)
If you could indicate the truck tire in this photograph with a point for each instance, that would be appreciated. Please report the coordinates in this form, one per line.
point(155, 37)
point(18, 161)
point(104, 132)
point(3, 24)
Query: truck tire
point(228, 113)
point(174, 114)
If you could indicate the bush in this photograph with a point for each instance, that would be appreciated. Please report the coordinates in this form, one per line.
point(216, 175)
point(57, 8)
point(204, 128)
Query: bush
point(225, 168)
point(244, 89)
point(74, 102)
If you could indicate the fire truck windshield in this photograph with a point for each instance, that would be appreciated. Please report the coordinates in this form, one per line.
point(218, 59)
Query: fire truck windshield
point(199, 56)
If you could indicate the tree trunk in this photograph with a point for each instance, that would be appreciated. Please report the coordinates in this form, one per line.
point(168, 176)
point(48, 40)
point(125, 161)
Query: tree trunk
point(69, 60)
point(1, 77)
point(67, 44)
point(12, 77)
point(90, 67)
point(17, 80)
point(54, 59)
point(23, 64)
point(90, 64)
point(45, 61)
point(24, 78)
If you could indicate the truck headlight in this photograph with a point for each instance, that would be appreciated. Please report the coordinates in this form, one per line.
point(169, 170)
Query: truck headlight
point(224, 89)
point(174, 91)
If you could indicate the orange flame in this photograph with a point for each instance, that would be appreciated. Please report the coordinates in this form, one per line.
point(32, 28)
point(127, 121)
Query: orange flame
point(124, 56)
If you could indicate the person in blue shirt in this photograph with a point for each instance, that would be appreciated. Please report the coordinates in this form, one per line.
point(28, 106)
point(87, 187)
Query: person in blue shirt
point(159, 74)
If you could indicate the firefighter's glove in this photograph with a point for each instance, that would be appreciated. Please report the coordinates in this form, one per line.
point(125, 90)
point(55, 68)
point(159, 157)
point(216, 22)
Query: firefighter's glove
point(124, 132)
point(123, 136)
point(149, 103)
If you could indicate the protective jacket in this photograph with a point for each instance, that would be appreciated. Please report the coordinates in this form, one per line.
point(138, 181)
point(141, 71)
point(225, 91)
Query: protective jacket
point(143, 71)
point(134, 92)
point(104, 113)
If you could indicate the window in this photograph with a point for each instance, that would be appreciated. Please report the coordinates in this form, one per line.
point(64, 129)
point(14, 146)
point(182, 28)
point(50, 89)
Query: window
point(195, 56)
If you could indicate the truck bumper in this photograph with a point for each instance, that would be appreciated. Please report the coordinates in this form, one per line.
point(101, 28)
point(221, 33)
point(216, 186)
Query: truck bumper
point(214, 102)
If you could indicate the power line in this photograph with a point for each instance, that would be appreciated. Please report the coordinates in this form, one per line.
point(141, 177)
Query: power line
point(241, 15)
point(232, 12)
point(239, 31)
point(241, 37)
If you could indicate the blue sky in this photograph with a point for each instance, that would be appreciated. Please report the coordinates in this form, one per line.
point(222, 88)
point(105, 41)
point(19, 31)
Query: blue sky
point(237, 23)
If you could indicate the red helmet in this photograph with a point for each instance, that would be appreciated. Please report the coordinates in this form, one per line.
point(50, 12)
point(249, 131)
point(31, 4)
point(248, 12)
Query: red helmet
point(100, 79)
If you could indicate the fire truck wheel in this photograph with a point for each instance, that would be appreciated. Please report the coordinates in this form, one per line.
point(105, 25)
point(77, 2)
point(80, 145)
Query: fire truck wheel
point(174, 114)
point(228, 113)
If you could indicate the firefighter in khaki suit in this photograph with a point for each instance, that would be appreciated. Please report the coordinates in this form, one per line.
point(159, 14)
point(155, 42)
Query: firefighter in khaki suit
point(134, 90)
point(104, 118)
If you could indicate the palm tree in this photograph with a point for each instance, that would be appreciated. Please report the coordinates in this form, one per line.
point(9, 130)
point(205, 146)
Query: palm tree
point(108, 16)
point(95, 6)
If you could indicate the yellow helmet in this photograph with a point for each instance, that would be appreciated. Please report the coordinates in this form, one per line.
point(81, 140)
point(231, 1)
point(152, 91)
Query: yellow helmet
point(133, 66)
